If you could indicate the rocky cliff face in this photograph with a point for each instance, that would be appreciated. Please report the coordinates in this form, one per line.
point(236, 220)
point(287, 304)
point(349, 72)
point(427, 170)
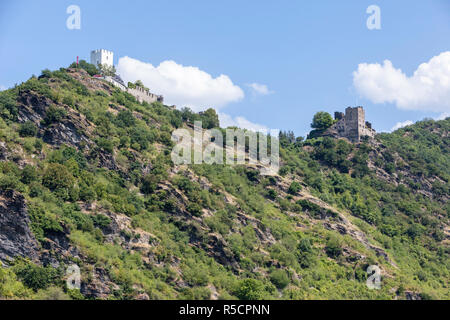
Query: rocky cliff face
point(69, 130)
point(16, 238)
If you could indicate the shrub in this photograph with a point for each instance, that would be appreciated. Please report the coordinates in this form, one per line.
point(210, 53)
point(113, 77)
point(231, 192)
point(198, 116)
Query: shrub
point(36, 277)
point(149, 183)
point(8, 107)
point(88, 67)
point(250, 289)
point(29, 174)
point(294, 188)
point(10, 287)
point(101, 221)
point(27, 129)
point(271, 194)
point(125, 119)
point(333, 247)
point(106, 144)
point(42, 222)
point(56, 176)
point(279, 278)
point(54, 114)
point(46, 73)
point(9, 182)
point(52, 293)
point(415, 231)
point(38, 144)
point(35, 190)
point(195, 209)
point(69, 100)
point(87, 193)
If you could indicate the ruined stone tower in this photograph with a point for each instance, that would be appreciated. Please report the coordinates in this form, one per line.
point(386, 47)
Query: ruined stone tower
point(351, 125)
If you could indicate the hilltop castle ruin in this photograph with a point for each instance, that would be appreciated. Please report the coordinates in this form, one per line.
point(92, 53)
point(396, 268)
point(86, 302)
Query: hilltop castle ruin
point(105, 57)
point(351, 125)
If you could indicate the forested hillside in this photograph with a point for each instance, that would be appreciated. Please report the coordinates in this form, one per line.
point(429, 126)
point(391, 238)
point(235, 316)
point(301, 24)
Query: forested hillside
point(86, 178)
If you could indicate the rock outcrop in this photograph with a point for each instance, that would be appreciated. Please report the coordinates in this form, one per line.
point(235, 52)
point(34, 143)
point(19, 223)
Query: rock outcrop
point(16, 238)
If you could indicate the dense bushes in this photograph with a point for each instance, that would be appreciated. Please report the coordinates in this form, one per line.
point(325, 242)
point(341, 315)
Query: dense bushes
point(294, 188)
point(8, 107)
point(35, 277)
point(54, 114)
point(250, 289)
point(10, 286)
point(227, 227)
point(27, 129)
point(90, 68)
point(279, 278)
point(57, 177)
point(333, 247)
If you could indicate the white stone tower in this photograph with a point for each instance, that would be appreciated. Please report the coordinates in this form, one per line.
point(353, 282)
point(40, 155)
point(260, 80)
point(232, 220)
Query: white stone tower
point(102, 56)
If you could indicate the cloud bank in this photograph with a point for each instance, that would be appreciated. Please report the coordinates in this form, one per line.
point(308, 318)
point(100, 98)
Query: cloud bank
point(240, 122)
point(399, 125)
point(260, 89)
point(428, 89)
point(443, 116)
point(182, 85)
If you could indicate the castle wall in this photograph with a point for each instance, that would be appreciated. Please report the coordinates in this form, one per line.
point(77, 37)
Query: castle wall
point(116, 83)
point(143, 95)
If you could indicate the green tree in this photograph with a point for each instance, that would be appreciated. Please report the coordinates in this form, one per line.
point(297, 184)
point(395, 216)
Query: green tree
point(139, 83)
point(54, 114)
point(322, 120)
point(56, 176)
point(125, 119)
point(88, 67)
point(8, 105)
point(36, 277)
point(29, 174)
point(107, 70)
point(294, 188)
point(333, 247)
point(10, 287)
point(27, 129)
point(149, 183)
point(279, 278)
point(210, 119)
point(250, 289)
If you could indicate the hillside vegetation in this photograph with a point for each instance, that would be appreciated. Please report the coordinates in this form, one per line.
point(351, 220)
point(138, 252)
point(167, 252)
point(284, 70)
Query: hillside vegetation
point(86, 178)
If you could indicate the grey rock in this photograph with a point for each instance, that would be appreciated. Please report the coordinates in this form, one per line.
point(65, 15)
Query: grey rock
point(16, 238)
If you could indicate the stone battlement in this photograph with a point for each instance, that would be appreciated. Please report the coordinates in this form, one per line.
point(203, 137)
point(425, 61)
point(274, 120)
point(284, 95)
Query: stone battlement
point(139, 93)
point(351, 125)
point(142, 94)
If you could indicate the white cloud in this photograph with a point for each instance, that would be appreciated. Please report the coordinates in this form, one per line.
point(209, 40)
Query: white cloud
point(260, 89)
point(240, 122)
point(443, 116)
point(181, 85)
point(428, 89)
point(399, 125)
point(2, 88)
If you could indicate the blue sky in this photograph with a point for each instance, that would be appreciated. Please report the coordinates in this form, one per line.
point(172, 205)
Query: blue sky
point(305, 53)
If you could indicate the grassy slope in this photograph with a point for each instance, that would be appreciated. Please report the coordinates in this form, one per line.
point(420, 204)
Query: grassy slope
point(208, 231)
